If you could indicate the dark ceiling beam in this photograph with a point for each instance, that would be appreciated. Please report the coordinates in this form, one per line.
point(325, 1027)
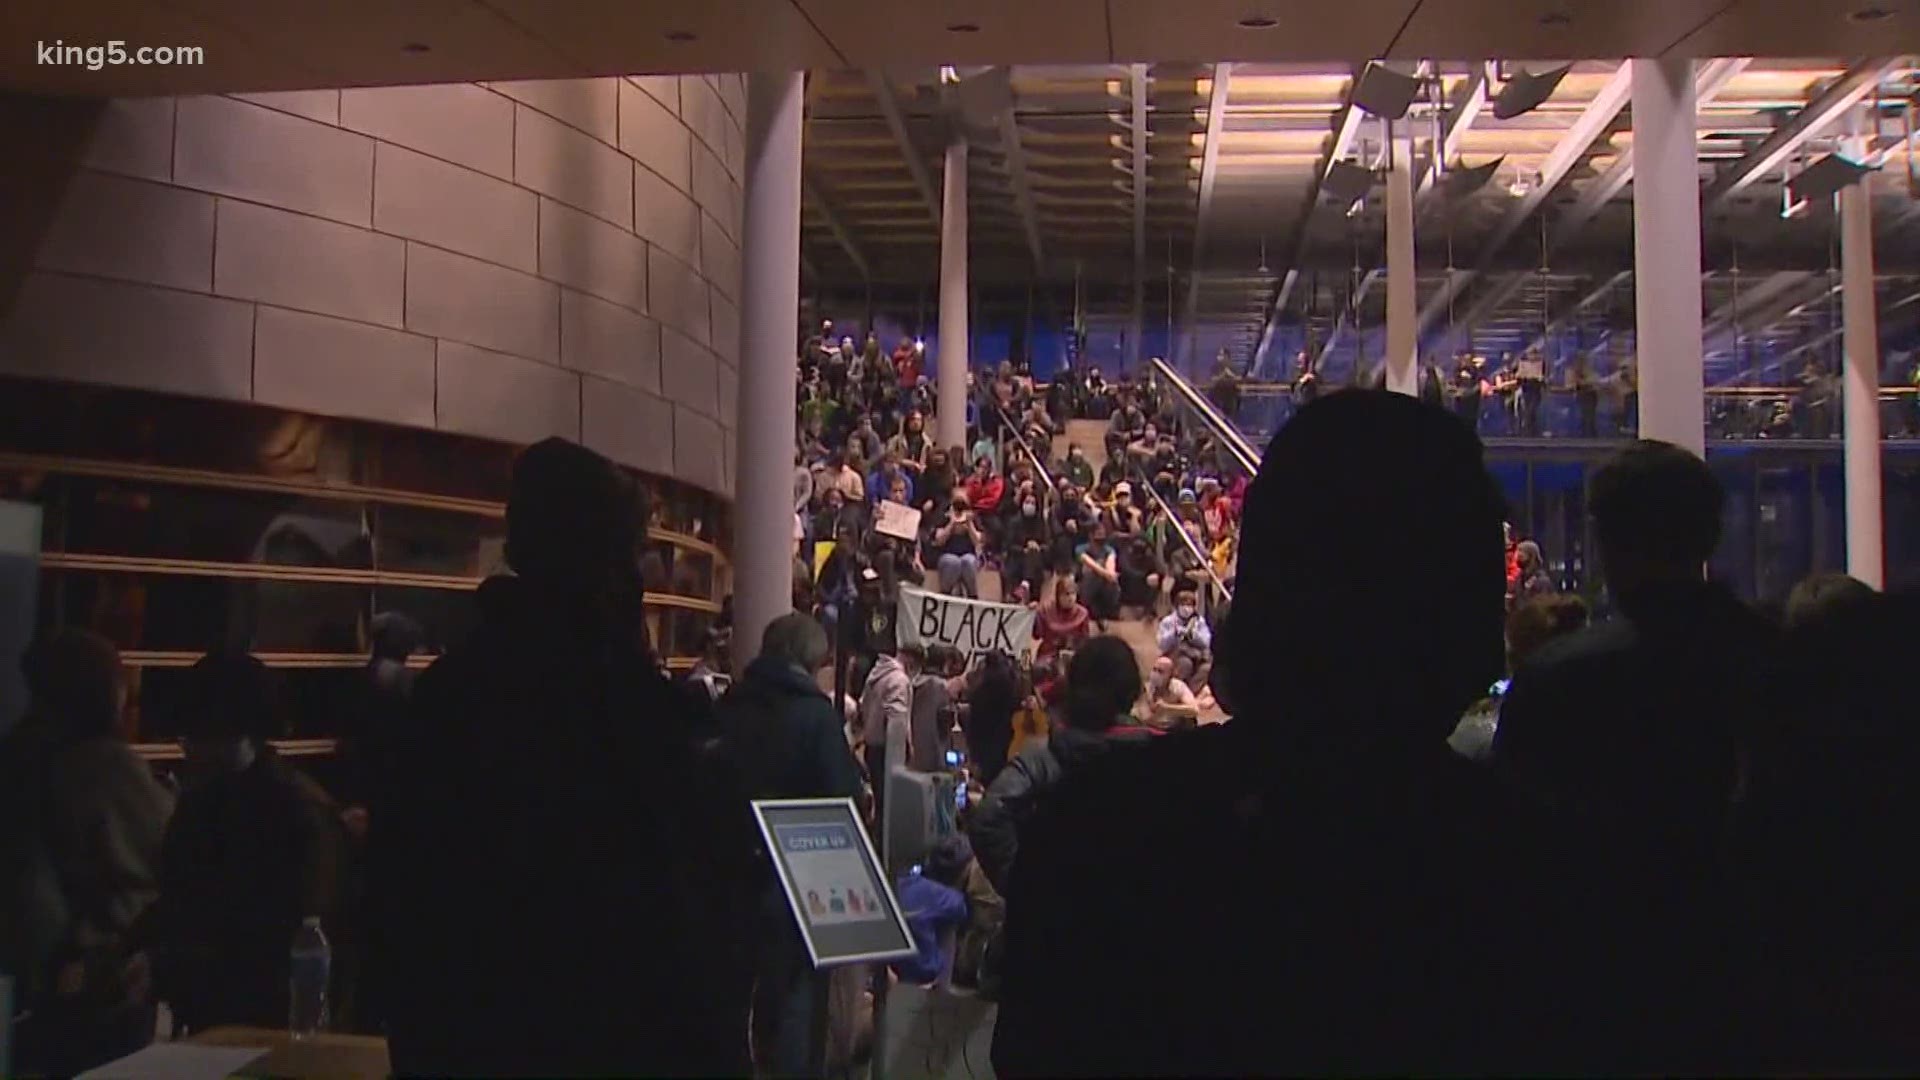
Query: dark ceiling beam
point(835, 225)
point(1137, 120)
point(896, 118)
point(1346, 127)
point(1776, 149)
point(1015, 157)
point(1209, 177)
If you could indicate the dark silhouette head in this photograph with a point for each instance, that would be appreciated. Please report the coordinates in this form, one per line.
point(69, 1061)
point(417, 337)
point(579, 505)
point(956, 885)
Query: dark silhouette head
point(1103, 682)
point(574, 520)
point(1821, 597)
point(1398, 490)
point(1541, 620)
point(76, 682)
point(1656, 511)
point(948, 860)
point(395, 636)
point(228, 697)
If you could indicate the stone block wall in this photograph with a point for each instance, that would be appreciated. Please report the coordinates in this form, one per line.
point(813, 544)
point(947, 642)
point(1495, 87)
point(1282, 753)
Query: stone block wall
point(508, 260)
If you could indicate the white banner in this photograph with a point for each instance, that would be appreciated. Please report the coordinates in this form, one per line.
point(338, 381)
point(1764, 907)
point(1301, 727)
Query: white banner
point(927, 619)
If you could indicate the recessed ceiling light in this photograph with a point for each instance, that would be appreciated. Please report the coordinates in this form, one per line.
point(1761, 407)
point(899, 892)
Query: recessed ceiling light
point(1555, 18)
point(681, 37)
point(963, 28)
point(415, 48)
point(1871, 14)
point(1258, 22)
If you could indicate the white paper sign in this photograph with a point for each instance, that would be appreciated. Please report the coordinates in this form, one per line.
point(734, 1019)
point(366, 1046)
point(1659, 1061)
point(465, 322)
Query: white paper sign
point(971, 626)
point(897, 520)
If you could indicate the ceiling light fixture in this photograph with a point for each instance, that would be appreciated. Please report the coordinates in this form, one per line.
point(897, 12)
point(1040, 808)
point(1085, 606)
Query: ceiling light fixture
point(1872, 14)
point(1258, 22)
point(681, 37)
point(963, 28)
point(415, 48)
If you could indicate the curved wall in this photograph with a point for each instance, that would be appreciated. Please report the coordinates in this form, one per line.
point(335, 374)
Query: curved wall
point(508, 260)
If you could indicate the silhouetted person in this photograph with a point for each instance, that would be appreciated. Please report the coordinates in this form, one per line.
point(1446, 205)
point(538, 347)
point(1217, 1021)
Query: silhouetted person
point(1319, 885)
point(1822, 833)
point(1629, 731)
point(1103, 682)
point(81, 818)
point(254, 847)
point(991, 702)
point(785, 741)
point(558, 886)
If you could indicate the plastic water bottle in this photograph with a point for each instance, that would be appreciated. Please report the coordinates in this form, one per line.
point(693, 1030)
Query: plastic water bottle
point(308, 974)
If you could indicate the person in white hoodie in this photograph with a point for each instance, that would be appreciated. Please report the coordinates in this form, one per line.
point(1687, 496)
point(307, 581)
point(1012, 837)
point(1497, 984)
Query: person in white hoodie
point(886, 715)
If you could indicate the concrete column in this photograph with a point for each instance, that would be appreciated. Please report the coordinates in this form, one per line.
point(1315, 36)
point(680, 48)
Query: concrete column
point(1666, 254)
point(950, 428)
point(1866, 557)
point(1403, 314)
point(769, 313)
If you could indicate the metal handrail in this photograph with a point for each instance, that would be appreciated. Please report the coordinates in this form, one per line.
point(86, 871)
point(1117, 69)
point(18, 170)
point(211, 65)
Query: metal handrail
point(1039, 463)
point(1229, 436)
point(1193, 546)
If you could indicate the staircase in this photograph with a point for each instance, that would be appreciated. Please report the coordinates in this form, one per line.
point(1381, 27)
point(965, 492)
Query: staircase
point(1089, 435)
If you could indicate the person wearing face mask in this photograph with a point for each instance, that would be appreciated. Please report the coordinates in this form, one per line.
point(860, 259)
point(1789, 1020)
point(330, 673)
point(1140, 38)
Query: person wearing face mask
point(936, 482)
point(254, 847)
point(1028, 538)
point(958, 541)
point(1186, 642)
point(1077, 468)
point(1099, 573)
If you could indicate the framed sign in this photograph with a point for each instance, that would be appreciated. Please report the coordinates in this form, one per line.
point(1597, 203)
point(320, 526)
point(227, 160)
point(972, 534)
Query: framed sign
point(842, 902)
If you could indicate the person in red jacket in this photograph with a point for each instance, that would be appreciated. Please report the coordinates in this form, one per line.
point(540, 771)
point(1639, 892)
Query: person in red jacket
point(984, 489)
point(906, 363)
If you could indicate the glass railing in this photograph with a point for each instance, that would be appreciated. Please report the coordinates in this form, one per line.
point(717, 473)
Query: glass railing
point(1258, 409)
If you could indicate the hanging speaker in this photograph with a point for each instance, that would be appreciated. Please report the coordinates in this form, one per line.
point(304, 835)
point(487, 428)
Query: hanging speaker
point(983, 97)
point(1464, 183)
point(1826, 176)
point(1346, 182)
point(1525, 93)
point(1385, 92)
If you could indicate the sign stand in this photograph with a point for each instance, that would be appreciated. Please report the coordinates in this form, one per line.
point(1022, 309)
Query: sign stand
point(842, 899)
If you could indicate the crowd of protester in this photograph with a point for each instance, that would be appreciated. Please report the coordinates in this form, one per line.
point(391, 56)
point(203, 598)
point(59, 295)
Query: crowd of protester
point(1670, 844)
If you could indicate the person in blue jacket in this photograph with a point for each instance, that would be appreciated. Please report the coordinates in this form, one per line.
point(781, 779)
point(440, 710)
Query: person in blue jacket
point(933, 904)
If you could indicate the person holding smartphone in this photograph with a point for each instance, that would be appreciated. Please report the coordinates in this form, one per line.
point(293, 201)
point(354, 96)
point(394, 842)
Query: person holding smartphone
point(958, 542)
